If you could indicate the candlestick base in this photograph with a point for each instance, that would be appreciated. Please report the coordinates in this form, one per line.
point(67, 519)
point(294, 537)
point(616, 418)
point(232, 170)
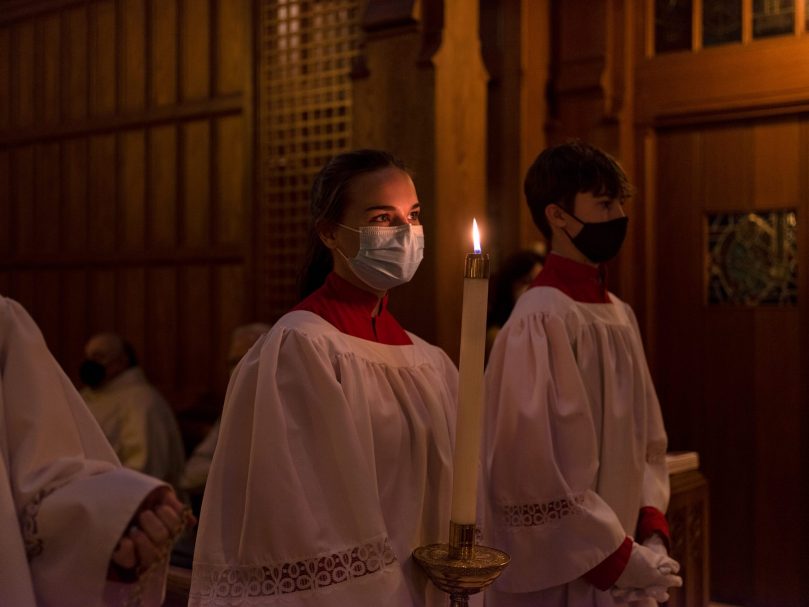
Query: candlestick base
point(461, 568)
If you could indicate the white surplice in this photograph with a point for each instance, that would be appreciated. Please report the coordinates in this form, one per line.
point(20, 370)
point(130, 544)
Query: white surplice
point(65, 500)
point(333, 463)
point(574, 446)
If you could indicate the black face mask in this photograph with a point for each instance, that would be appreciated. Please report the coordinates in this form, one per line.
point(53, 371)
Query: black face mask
point(92, 373)
point(600, 241)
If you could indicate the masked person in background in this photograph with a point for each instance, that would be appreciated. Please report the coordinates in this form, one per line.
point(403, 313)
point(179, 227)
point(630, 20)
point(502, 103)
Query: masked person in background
point(574, 447)
point(134, 416)
point(335, 448)
point(77, 529)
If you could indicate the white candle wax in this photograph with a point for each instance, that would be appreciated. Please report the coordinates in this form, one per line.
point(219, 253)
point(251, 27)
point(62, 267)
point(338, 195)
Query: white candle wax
point(470, 393)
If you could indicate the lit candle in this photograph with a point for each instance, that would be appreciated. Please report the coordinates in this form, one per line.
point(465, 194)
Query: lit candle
point(470, 384)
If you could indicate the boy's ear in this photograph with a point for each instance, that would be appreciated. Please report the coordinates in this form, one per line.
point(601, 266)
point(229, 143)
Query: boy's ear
point(556, 216)
point(327, 233)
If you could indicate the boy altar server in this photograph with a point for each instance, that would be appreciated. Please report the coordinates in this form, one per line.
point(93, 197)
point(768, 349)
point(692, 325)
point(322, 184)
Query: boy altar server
point(574, 446)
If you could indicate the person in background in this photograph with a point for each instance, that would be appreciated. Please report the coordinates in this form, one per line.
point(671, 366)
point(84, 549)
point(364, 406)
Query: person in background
point(195, 474)
point(134, 416)
point(78, 530)
point(574, 450)
point(334, 458)
point(511, 280)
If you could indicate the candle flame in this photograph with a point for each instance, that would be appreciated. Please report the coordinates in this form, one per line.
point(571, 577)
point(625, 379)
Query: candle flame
point(475, 236)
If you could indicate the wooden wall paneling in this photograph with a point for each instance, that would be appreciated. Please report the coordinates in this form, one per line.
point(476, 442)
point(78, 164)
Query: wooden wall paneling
point(75, 331)
point(161, 351)
point(24, 291)
point(803, 335)
point(75, 220)
point(162, 188)
point(195, 367)
point(727, 168)
point(132, 192)
point(778, 462)
point(679, 298)
point(776, 177)
point(729, 388)
point(102, 199)
point(132, 17)
point(229, 36)
point(75, 63)
point(47, 199)
point(101, 309)
point(763, 75)
point(229, 283)
point(230, 190)
point(22, 89)
point(47, 299)
point(726, 454)
point(49, 30)
point(5, 209)
point(23, 172)
point(103, 58)
point(779, 166)
point(196, 184)
point(5, 78)
point(107, 177)
point(195, 60)
point(163, 52)
point(131, 305)
point(38, 290)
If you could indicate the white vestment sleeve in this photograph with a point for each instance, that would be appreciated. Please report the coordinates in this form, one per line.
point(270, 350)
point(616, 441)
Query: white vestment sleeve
point(291, 513)
point(69, 498)
point(655, 489)
point(541, 460)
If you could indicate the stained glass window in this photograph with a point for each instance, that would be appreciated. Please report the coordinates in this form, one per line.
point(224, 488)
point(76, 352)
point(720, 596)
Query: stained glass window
point(721, 22)
point(672, 25)
point(773, 18)
point(753, 258)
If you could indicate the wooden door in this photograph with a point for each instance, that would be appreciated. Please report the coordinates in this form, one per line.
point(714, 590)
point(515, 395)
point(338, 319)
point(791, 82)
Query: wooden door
point(731, 366)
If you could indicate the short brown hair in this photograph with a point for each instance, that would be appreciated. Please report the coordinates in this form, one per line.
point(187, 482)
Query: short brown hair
point(562, 171)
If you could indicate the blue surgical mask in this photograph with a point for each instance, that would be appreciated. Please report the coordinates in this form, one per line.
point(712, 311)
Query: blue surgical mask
point(388, 255)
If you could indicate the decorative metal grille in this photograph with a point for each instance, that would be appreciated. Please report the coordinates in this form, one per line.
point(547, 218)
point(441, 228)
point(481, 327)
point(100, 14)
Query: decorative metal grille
point(306, 48)
point(753, 258)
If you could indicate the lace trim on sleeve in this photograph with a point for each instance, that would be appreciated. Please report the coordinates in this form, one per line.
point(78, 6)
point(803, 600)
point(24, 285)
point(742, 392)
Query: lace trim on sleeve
point(244, 581)
point(532, 515)
point(28, 524)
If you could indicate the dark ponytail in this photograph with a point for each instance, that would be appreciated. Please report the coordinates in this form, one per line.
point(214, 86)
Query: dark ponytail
point(328, 200)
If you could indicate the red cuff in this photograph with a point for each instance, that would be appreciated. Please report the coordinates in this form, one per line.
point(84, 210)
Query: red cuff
point(652, 521)
point(603, 575)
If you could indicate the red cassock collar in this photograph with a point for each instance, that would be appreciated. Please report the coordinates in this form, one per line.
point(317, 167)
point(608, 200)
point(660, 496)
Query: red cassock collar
point(579, 281)
point(349, 309)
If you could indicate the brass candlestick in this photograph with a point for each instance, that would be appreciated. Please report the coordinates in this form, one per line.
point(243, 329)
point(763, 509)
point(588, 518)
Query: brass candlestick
point(461, 568)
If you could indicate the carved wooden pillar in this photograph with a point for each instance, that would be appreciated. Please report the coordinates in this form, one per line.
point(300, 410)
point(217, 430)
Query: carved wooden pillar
point(420, 92)
point(515, 38)
point(592, 98)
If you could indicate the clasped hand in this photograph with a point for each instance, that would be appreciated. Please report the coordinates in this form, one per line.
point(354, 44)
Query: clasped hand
point(160, 518)
point(649, 573)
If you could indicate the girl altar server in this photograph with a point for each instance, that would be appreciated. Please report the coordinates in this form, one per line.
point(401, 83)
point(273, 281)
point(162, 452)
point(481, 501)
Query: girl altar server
point(335, 451)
